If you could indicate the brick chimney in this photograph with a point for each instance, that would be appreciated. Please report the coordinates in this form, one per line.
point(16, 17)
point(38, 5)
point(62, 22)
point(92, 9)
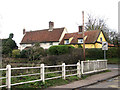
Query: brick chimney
point(24, 31)
point(80, 29)
point(51, 25)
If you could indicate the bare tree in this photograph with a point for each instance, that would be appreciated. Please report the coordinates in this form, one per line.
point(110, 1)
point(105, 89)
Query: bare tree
point(96, 24)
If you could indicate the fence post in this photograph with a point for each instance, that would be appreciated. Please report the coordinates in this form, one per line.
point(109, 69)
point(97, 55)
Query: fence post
point(97, 64)
point(42, 72)
point(78, 70)
point(63, 70)
point(106, 64)
point(8, 75)
point(82, 67)
point(88, 65)
point(94, 65)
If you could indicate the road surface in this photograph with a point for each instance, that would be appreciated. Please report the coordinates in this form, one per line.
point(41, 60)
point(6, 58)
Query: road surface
point(111, 83)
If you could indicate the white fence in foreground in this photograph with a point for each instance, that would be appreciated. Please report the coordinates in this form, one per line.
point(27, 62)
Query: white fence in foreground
point(86, 67)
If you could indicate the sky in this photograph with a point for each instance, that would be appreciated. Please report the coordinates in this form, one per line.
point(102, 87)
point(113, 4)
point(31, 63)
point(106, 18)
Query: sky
point(15, 15)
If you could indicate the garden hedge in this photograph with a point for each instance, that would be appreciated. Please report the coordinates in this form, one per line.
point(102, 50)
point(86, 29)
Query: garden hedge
point(98, 53)
point(59, 49)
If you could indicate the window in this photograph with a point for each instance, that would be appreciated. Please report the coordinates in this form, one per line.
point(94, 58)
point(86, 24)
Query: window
point(51, 43)
point(80, 40)
point(44, 42)
point(24, 45)
point(67, 41)
point(101, 39)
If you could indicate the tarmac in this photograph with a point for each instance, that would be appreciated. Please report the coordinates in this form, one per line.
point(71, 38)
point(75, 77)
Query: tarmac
point(93, 79)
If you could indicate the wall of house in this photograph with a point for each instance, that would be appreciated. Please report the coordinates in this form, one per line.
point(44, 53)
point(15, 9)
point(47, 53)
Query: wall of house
point(89, 45)
point(70, 39)
point(76, 45)
point(101, 35)
point(63, 34)
point(98, 45)
point(47, 45)
point(43, 45)
point(86, 45)
point(23, 46)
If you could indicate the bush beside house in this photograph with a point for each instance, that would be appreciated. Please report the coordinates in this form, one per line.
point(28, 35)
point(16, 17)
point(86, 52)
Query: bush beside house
point(59, 49)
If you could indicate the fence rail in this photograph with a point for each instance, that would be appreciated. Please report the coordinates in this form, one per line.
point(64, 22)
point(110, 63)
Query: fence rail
point(86, 67)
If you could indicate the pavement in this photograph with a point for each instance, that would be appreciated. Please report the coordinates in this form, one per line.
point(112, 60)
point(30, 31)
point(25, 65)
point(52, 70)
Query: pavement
point(93, 79)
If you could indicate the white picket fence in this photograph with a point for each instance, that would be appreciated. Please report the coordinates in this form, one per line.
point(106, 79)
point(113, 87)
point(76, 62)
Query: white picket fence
point(86, 67)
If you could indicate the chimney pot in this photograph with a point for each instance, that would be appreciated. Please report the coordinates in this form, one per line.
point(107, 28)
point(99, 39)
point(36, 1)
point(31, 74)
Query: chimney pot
point(24, 31)
point(51, 25)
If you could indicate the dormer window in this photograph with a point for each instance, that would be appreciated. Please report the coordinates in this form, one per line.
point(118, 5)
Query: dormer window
point(80, 40)
point(66, 41)
point(101, 39)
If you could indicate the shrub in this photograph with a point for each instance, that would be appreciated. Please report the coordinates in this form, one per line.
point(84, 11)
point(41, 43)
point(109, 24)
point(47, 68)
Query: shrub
point(72, 57)
point(94, 53)
point(79, 46)
point(112, 52)
point(23, 54)
point(98, 53)
point(16, 53)
point(33, 53)
point(59, 50)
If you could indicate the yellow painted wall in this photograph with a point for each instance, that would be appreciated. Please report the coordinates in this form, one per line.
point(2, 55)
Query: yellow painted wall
point(88, 45)
point(76, 46)
point(70, 39)
point(101, 35)
point(98, 45)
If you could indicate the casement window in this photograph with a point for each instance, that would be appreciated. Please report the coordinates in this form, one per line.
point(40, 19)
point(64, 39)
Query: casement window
point(80, 40)
point(51, 43)
point(66, 41)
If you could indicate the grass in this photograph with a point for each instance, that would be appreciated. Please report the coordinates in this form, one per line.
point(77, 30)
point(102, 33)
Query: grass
point(48, 83)
point(85, 76)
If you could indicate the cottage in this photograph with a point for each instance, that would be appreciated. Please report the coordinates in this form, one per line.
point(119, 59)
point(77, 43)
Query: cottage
point(93, 38)
point(46, 37)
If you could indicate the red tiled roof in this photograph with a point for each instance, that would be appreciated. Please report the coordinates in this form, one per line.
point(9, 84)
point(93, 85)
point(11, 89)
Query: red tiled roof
point(111, 45)
point(42, 36)
point(91, 36)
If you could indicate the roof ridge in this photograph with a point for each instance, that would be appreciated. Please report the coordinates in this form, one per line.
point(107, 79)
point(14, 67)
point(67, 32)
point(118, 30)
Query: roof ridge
point(44, 29)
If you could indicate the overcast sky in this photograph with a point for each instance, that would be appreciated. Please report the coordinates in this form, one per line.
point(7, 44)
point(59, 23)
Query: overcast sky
point(35, 14)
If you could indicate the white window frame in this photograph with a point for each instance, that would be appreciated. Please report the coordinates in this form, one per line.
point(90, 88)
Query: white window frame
point(66, 41)
point(80, 40)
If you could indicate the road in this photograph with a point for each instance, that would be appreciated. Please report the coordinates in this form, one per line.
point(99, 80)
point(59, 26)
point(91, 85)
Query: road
point(111, 83)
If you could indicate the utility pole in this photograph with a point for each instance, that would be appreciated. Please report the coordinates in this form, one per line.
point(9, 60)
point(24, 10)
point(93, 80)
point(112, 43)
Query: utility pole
point(83, 35)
